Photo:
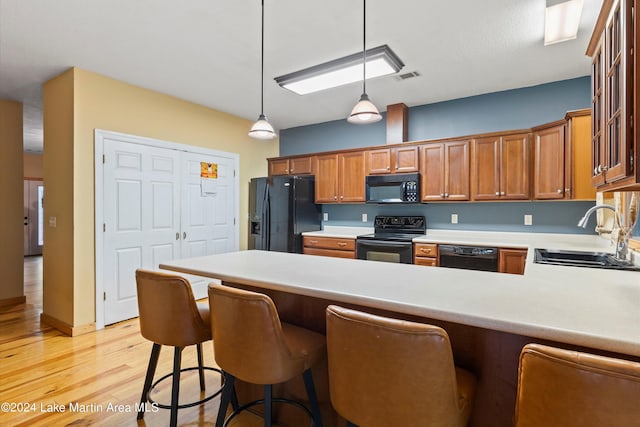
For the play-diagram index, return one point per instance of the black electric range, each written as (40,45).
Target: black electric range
(392,239)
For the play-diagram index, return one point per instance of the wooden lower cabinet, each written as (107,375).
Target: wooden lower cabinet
(329,246)
(511,260)
(425,254)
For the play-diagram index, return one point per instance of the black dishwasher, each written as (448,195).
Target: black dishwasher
(469,257)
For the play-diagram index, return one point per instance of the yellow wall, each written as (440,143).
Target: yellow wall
(11,228)
(32,165)
(58,175)
(103,103)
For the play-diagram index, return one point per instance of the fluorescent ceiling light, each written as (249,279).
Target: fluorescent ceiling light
(561,20)
(381,61)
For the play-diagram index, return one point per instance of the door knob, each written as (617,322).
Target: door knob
(177,236)
(184,235)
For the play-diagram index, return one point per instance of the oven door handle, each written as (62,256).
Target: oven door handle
(386,243)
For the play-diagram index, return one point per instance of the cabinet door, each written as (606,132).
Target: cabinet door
(485,175)
(512,260)
(405,159)
(278,167)
(549,163)
(379,161)
(514,167)
(617,81)
(300,166)
(352,177)
(327,179)
(597,110)
(456,170)
(432,172)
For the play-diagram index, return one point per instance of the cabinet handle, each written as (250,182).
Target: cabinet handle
(341,197)
(566,190)
(335,197)
(446,194)
(342,244)
(559,190)
(313,242)
(497,193)
(604,168)
(427,251)
(442,195)
(396,167)
(388,168)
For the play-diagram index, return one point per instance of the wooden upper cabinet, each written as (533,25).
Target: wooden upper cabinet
(392,160)
(326,181)
(291,166)
(549,148)
(579,171)
(614,98)
(352,177)
(445,171)
(500,168)
(340,178)
(278,167)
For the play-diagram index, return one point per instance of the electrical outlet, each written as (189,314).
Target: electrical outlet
(325,216)
(364,217)
(528,219)
(53,221)
(454,218)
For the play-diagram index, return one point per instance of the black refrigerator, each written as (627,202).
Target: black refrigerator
(281,208)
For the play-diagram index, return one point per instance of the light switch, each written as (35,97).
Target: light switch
(325,216)
(454,218)
(364,217)
(528,219)
(53,221)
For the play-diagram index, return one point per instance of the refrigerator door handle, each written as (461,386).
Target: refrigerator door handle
(266,228)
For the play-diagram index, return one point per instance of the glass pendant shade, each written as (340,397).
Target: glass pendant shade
(262,129)
(364,112)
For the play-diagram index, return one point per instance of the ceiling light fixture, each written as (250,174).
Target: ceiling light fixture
(365,111)
(561,20)
(381,61)
(262,129)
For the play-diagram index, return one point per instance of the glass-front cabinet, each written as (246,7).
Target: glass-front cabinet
(612,94)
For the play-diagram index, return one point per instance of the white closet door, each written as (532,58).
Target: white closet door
(207,218)
(141,219)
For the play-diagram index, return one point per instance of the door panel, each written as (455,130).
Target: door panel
(327,179)
(457,170)
(486,169)
(142,217)
(432,175)
(33,193)
(549,161)
(352,177)
(514,167)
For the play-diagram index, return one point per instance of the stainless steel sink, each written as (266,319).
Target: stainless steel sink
(581,259)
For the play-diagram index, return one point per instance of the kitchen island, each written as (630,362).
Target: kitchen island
(489,316)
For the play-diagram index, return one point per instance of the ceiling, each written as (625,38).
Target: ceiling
(208,52)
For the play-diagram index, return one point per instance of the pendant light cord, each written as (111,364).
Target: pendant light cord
(262,65)
(364,46)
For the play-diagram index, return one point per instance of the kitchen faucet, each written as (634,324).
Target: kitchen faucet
(583,221)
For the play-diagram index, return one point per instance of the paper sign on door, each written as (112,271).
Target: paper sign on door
(209,178)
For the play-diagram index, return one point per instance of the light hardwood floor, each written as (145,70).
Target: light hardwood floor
(50,379)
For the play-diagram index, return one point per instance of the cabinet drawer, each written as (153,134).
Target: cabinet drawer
(329,243)
(426,250)
(329,252)
(431,262)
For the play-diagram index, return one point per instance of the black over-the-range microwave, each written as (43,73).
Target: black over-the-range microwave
(395,188)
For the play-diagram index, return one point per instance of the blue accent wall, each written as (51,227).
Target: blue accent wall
(512,109)
(492,112)
(548,217)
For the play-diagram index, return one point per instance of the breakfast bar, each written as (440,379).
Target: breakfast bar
(489,316)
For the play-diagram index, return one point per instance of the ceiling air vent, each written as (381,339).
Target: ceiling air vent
(406,76)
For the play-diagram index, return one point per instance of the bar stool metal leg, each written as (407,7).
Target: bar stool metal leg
(151,371)
(200,367)
(268,407)
(228,394)
(313,398)
(175,388)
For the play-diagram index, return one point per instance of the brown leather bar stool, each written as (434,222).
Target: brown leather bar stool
(566,388)
(387,372)
(169,315)
(253,345)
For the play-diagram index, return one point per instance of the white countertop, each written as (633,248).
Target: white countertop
(583,306)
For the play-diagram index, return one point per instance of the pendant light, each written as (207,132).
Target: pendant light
(262,129)
(364,112)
